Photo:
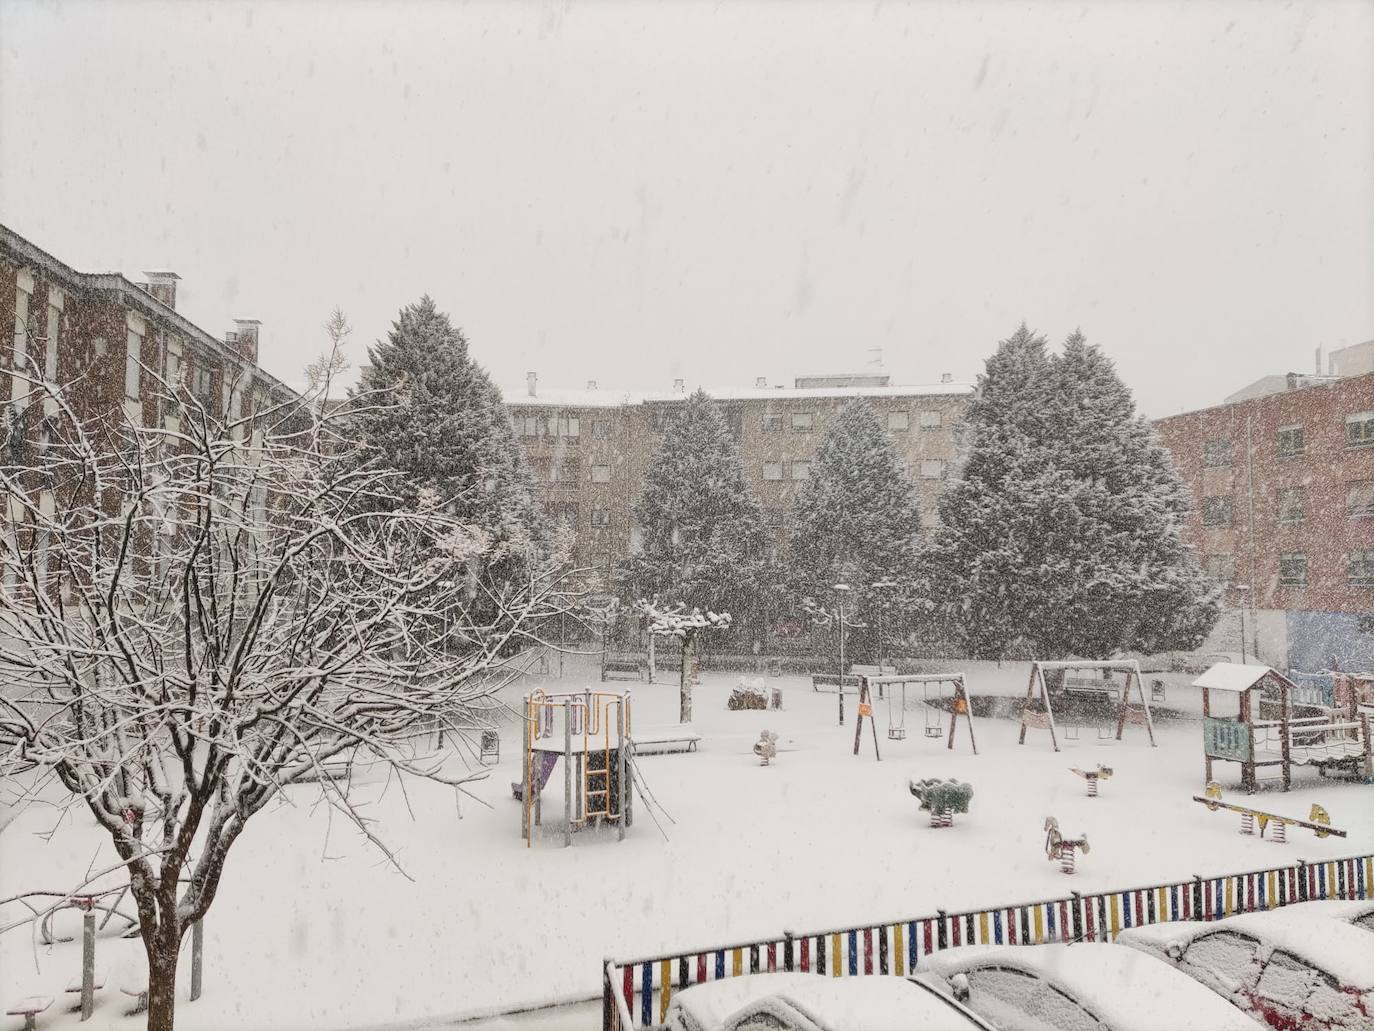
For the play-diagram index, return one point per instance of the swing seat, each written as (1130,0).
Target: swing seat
(935,732)
(896,733)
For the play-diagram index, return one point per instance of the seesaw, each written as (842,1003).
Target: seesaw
(1318,819)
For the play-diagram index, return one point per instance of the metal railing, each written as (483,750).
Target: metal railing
(641,989)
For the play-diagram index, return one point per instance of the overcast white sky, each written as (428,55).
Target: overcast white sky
(631,192)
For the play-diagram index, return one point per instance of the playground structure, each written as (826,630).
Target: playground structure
(1100,694)
(766,747)
(1061,848)
(933,688)
(590,730)
(1093,776)
(1279,723)
(1318,819)
(942,798)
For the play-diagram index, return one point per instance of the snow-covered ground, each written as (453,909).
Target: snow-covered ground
(312,928)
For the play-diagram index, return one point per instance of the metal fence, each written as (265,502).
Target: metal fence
(636,993)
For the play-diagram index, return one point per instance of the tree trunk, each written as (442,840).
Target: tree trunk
(685,683)
(163,948)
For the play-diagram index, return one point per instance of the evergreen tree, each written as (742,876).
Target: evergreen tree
(423,406)
(1063,529)
(703,545)
(857,523)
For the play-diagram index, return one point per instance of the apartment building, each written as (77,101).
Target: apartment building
(1283,516)
(107,332)
(589,450)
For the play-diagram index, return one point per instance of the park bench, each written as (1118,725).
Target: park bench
(336,767)
(29,1008)
(622,669)
(1090,690)
(682,738)
(138,991)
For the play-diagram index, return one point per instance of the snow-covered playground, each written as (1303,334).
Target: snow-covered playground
(315,929)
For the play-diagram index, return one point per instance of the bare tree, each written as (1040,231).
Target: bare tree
(321,373)
(194,616)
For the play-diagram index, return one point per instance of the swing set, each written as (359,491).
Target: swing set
(1086,687)
(934,688)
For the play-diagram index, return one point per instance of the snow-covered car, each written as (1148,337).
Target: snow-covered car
(1358,913)
(811,1002)
(1290,969)
(1084,986)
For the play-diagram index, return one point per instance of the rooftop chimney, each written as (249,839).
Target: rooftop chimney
(591,384)
(163,287)
(245,339)
(679,386)
(761,382)
(531,381)
(946,377)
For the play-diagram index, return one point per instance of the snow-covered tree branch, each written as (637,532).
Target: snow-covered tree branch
(194,616)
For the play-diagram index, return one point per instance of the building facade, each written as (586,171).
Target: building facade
(589,450)
(1283,516)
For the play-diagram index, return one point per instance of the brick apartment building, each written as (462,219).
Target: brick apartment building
(589,450)
(99,334)
(1282,477)
(105,328)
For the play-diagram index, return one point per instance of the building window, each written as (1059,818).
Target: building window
(898,420)
(1362,567)
(21,325)
(1217,453)
(131,367)
(50,355)
(1290,441)
(772,470)
(1221,568)
(1216,511)
(801,470)
(1293,569)
(565,513)
(1359,499)
(565,472)
(1291,504)
(1359,429)
(601,517)
(931,420)
(601,474)
(533,426)
(201,378)
(569,426)
(932,469)
(601,428)
(772,423)
(802,421)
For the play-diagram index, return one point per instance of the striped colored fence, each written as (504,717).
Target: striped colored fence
(636,993)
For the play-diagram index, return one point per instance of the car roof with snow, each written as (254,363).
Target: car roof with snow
(710,1003)
(1127,989)
(1340,949)
(1333,909)
(864,1004)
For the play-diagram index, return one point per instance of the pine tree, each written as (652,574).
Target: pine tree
(423,406)
(857,523)
(1063,529)
(703,544)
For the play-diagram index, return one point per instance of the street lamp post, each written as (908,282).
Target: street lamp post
(840,590)
(881,585)
(1244,591)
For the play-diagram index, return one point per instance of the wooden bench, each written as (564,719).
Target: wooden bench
(666,739)
(820,680)
(29,1008)
(336,767)
(138,991)
(1091,690)
(623,669)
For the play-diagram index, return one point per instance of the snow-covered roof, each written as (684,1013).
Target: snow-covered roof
(571,398)
(861,1002)
(709,1004)
(1341,949)
(1127,989)
(1232,676)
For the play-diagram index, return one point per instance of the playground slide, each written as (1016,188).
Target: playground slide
(544,762)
